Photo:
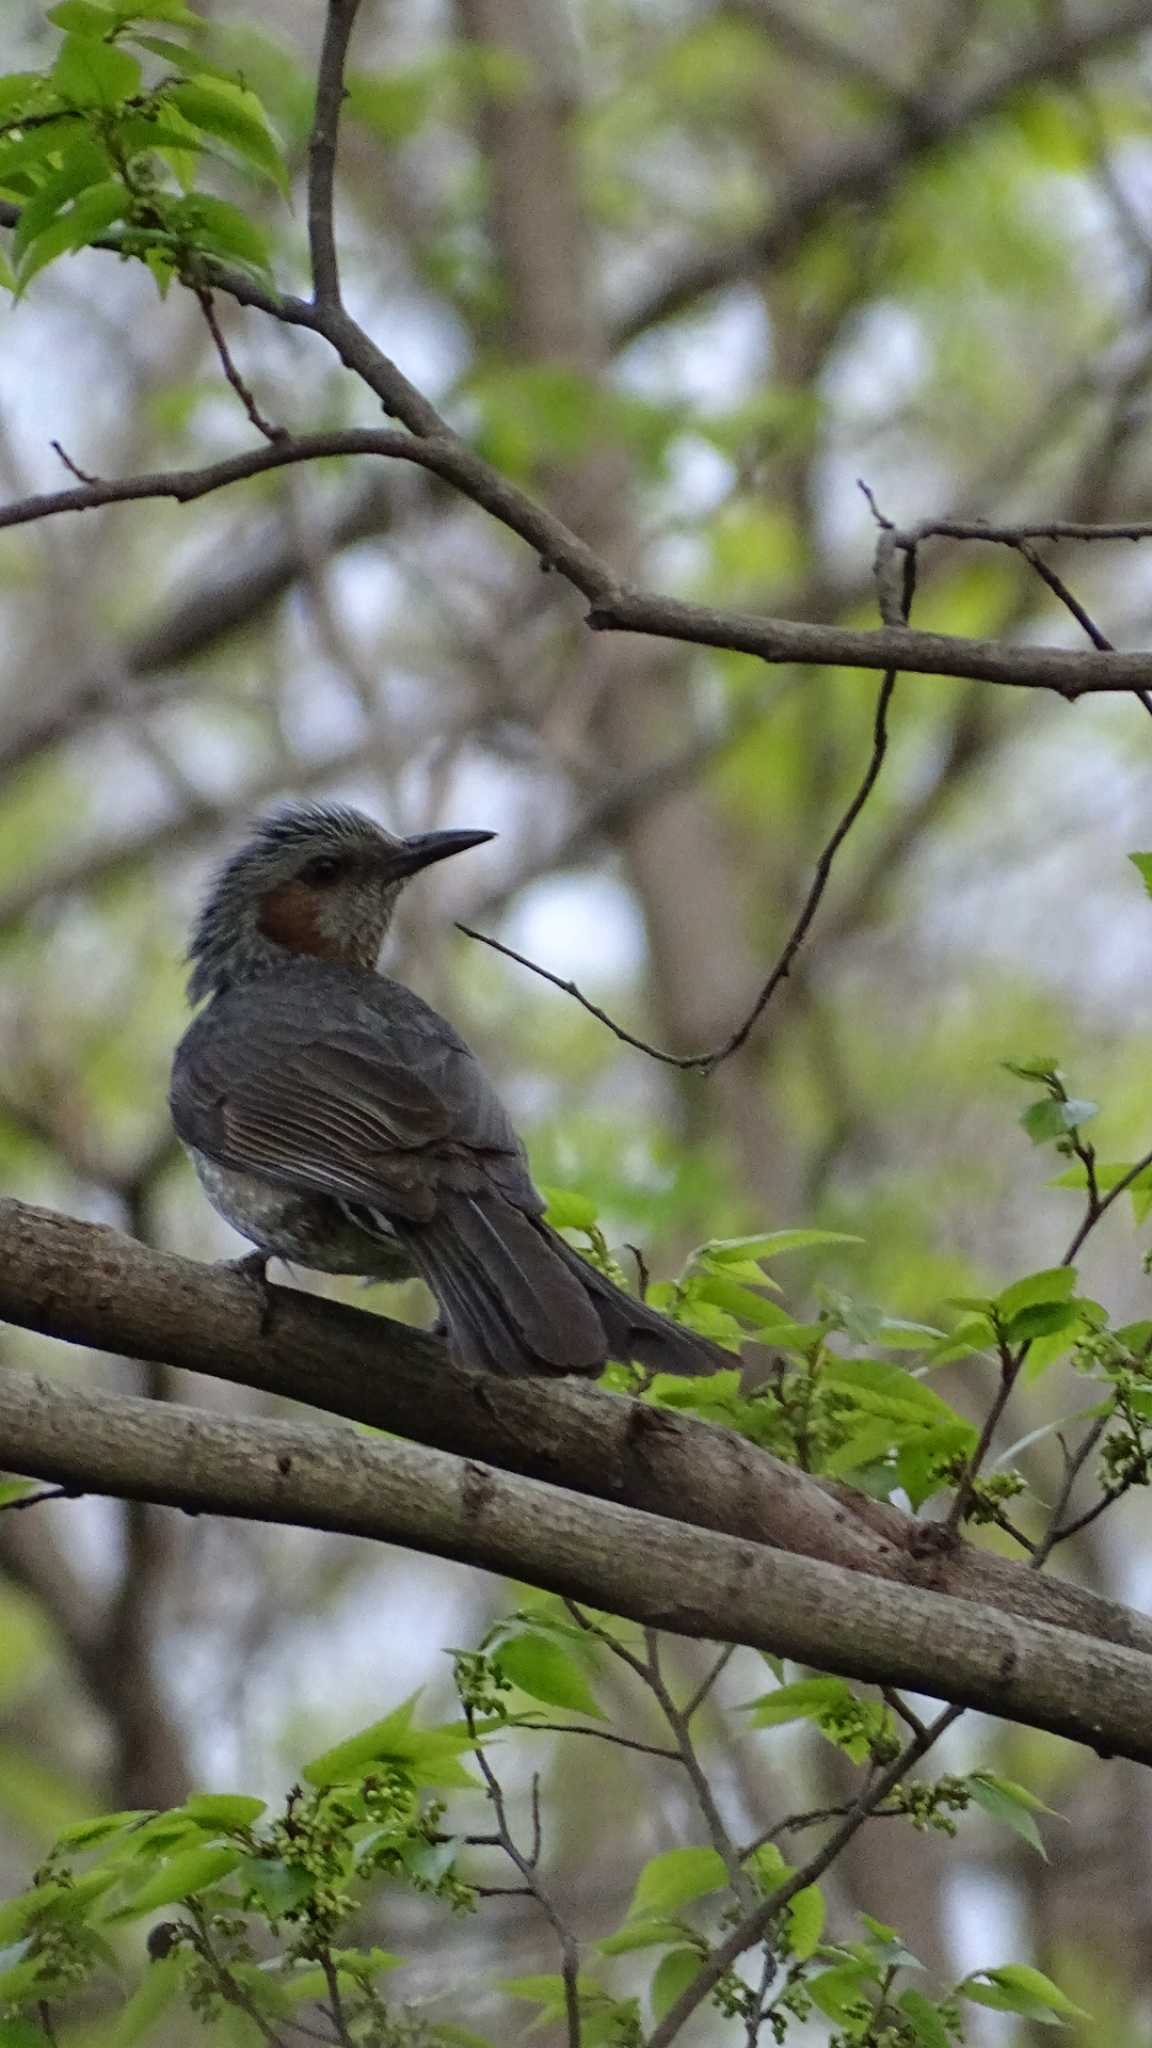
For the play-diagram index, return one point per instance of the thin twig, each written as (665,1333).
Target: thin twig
(741,1883)
(82,476)
(227,364)
(897,1705)
(708,1681)
(227,1985)
(603,1735)
(1074,1465)
(1104,1204)
(756,2014)
(526,1865)
(706,1062)
(335,2000)
(1071,602)
(1011,1363)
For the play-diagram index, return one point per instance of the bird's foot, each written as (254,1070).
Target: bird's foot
(254,1267)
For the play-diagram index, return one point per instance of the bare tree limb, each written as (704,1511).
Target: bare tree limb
(661,1573)
(1069,674)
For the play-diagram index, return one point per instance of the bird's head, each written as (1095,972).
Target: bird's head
(318,880)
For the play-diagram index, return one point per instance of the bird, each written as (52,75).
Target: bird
(338,1122)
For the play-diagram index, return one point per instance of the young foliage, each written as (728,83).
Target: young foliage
(122,139)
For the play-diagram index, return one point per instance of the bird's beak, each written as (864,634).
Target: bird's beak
(425,847)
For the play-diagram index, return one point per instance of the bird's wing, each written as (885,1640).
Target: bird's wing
(345,1089)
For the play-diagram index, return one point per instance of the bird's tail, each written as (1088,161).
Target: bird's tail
(634,1331)
(517,1299)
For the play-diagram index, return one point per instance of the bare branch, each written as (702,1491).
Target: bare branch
(665,1575)
(262,426)
(527,1867)
(338,26)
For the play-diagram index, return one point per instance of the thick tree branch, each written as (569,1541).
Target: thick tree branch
(91,1285)
(658,1572)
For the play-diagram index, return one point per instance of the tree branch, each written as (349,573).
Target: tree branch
(90,1285)
(1070,674)
(654,1571)
(338,26)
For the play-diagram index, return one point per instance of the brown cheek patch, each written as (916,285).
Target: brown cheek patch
(291,916)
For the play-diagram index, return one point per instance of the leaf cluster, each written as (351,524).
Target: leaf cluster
(115,139)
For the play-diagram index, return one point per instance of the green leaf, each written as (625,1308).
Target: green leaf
(1142,862)
(772,1244)
(223,1809)
(189,63)
(85,1834)
(884,1388)
(22,1980)
(16,1489)
(920,1458)
(739,1301)
(807,1699)
(671,1880)
(279,1886)
(833,1991)
(164,10)
(1050,1118)
(1055,1283)
(216,228)
(83,223)
(429,1754)
(1106,1171)
(82,18)
(82,165)
(924,2019)
(973,1335)
(675,1973)
(181,1878)
(642,1934)
(546,1671)
(90,74)
(22,2034)
(795,1336)
(1015,1987)
(161,1983)
(1013,1804)
(37,146)
(805,1917)
(234,116)
(568,1210)
(549,1991)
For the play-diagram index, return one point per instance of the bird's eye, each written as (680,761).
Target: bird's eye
(324,869)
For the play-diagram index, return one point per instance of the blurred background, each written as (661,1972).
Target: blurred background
(688,269)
